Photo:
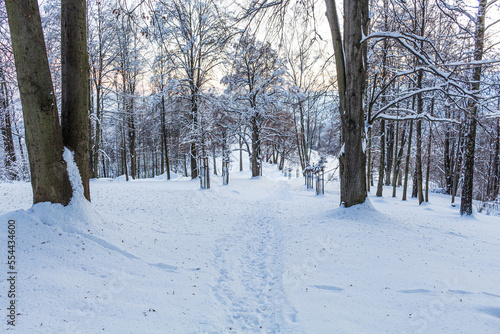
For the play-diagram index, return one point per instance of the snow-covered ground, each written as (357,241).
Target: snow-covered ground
(257,256)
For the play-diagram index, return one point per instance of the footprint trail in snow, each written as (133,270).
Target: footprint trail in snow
(249,262)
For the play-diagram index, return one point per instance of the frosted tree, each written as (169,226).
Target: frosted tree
(256,82)
(6,105)
(310,78)
(194,33)
(101,39)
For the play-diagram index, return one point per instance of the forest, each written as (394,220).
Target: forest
(171,83)
(250,166)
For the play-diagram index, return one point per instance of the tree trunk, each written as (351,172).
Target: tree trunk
(214,159)
(468,186)
(407,164)
(132,134)
(164,136)
(429,146)
(369,160)
(389,152)
(418,158)
(381,168)
(255,156)
(240,143)
(457,170)
(352,78)
(98,134)
(49,176)
(448,154)
(428,168)
(75,89)
(397,159)
(496,165)
(414,192)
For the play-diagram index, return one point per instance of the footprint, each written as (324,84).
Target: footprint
(462,292)
(415,291)
(328,287)
(164,266)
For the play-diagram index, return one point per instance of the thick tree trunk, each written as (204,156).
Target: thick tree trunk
(49,176)
(468,186)
(75,89)
(352,78)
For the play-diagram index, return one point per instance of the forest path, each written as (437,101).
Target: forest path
(249,262)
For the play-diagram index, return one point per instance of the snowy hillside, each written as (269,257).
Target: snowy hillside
(257,256)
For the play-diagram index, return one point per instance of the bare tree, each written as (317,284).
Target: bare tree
(258,72)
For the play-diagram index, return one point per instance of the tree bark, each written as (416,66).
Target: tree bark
(389,136)
(397,158)
(75,89)
(418,158)
(428,167)
(381,168)
(193,151)
(255,156)
(407,164)
(468,186)
(496,165)
(49,176)
(352,77)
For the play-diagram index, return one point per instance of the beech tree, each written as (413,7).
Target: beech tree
(75,85)
(44,140)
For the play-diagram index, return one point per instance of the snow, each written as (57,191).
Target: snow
(256,256)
